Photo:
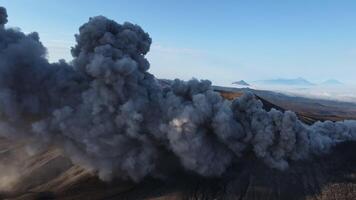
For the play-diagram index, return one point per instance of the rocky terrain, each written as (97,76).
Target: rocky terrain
(50,175)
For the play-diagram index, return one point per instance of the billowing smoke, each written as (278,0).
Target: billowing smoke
(3,16)
(109,114)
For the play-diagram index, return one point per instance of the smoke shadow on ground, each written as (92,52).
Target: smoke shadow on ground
(328,177)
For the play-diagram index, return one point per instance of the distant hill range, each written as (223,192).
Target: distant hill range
(290,82)
(297,82)
(241,82)
(331,82)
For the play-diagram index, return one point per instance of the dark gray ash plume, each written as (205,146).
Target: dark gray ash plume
(3,17)
(109,114)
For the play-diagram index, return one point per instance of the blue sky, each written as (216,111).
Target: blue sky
(218,40)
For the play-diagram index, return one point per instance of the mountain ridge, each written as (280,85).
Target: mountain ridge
(285,81)
(331,82)
(241,82)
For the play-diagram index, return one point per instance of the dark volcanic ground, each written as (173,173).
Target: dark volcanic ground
(52,176)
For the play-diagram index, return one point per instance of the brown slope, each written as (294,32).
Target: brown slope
(306,117)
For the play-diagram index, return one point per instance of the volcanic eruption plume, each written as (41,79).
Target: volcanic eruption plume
(109,114)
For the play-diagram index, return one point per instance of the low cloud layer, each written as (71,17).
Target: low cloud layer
(109,114)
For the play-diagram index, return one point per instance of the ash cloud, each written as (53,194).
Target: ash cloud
(109,114)
(3,17)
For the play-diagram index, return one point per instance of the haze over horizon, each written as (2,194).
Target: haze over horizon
(223,42)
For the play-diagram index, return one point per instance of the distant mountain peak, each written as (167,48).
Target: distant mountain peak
(241,82)
(283,81)
(331,82)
